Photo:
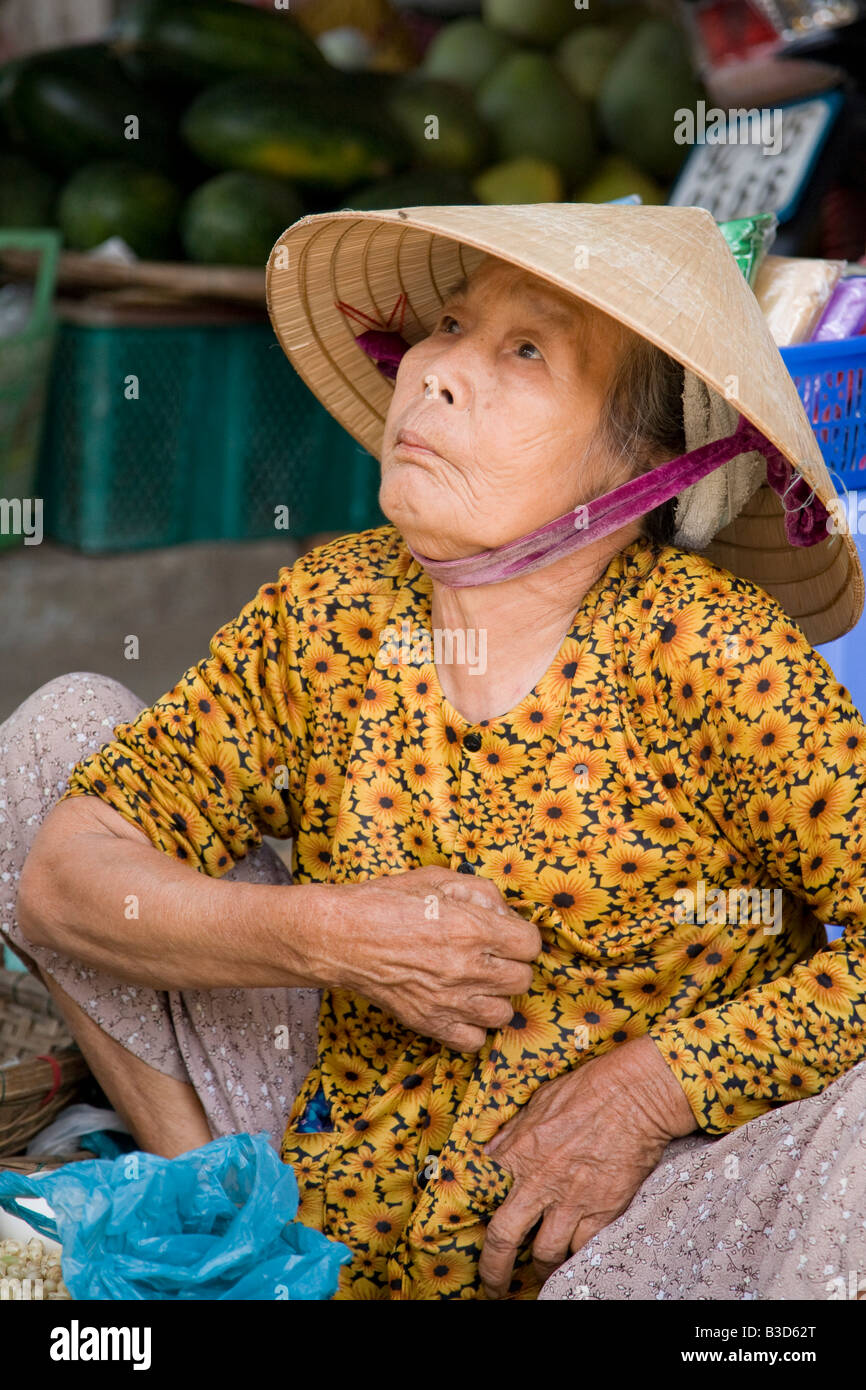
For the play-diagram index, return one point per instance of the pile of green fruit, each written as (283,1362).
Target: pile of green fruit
(202,128)
(580,106)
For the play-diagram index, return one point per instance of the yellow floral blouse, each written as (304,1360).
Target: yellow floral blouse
(685,740)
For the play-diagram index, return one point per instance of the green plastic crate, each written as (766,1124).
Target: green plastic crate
(25,359)
(223,432)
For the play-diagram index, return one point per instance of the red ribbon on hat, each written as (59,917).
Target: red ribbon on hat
(383,344)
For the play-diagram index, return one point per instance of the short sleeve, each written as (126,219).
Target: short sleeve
(776,756)
(218,761)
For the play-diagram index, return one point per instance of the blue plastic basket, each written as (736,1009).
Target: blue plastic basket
(831,381)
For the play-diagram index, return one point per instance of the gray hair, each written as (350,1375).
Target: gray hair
(641,423)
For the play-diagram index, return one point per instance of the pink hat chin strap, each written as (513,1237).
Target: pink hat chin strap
(805,519)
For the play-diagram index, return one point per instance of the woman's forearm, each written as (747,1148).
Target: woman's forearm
(94,888)
(120,905)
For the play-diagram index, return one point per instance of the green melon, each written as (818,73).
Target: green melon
(235,218)
(642,90)
(541,22)
(616,177)
(69,106)
(115,198)
(301,132)
(440,122)
(466,52)
(524,180)
(202,41)
(584,57)
(533,111)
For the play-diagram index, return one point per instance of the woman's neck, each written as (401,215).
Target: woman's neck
(505,636)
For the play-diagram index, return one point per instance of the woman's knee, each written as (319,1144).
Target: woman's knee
(62,722)
(81,694)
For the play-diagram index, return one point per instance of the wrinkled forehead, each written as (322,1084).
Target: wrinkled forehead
(598,338)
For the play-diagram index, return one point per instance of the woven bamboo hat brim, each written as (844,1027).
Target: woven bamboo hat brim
(665,272)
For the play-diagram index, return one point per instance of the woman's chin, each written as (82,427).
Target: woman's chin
(420,509)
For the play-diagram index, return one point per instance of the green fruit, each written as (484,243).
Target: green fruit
(291,131)
(421,188)
(465,52)
(533,111)
(202,41)
(73,105)
(523,180)
(616,177)
(650,80)
(235,218)
(440,123)
(114,198)
(584,57)
(542,22)
(27,193)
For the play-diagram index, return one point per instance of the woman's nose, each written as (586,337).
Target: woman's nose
(449,379)
(433,388)
(460,366)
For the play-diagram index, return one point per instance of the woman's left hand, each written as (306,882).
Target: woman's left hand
(579,1150)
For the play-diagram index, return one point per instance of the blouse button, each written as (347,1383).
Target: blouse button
(472,742)
(465,869)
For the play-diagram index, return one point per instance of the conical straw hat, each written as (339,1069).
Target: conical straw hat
(665,272)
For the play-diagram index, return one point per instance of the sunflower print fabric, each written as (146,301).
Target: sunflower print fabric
(686,740)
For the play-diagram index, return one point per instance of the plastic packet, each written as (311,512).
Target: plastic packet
(750,238)
(63,1134)
(844,314)
(214,1223)
(792,291)
(114,248)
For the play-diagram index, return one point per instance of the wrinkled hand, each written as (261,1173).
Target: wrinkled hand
(579,1150)
(441,951)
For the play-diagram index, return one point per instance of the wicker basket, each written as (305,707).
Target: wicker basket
(30,1022)
(28,1166)
(41,1069)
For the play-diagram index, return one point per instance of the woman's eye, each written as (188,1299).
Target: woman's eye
(448,324)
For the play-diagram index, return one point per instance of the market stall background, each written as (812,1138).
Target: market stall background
(151,153)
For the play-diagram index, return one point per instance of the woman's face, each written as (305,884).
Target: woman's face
(505,394)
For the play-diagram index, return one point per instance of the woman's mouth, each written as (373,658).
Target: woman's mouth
(410,442)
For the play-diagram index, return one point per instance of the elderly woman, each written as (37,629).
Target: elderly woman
(564,896)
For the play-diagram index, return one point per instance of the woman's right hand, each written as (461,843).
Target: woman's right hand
(441,951)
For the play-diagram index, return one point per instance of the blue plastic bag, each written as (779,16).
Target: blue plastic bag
(214,1223)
